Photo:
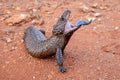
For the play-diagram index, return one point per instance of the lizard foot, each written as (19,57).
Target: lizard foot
(62,69)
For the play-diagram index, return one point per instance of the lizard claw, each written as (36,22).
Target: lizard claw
(62,69)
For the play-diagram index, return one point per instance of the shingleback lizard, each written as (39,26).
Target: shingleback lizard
(39,46)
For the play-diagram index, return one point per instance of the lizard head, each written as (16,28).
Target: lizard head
(59,28)
(64,27)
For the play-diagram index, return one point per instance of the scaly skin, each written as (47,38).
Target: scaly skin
(41,47)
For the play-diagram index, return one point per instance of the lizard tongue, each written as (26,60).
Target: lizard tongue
(70,26)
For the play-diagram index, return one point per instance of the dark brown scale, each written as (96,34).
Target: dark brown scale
(39,46)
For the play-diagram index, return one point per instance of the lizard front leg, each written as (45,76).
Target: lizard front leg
(43,31)
(59,55)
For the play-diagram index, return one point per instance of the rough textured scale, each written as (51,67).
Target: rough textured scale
(39,46)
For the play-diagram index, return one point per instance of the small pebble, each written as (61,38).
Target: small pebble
(97,14)
(8,40)
(33,77)
(91,18)
(13,48)
(116,28)
(38,21)
(49,77)
(95,5)
(17,8)
(7,11)
(84,9)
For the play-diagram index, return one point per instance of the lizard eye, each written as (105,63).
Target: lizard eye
(62,19)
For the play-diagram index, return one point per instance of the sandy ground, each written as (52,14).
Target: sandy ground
(93,52)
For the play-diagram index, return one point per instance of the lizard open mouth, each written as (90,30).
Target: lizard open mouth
(71,27)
